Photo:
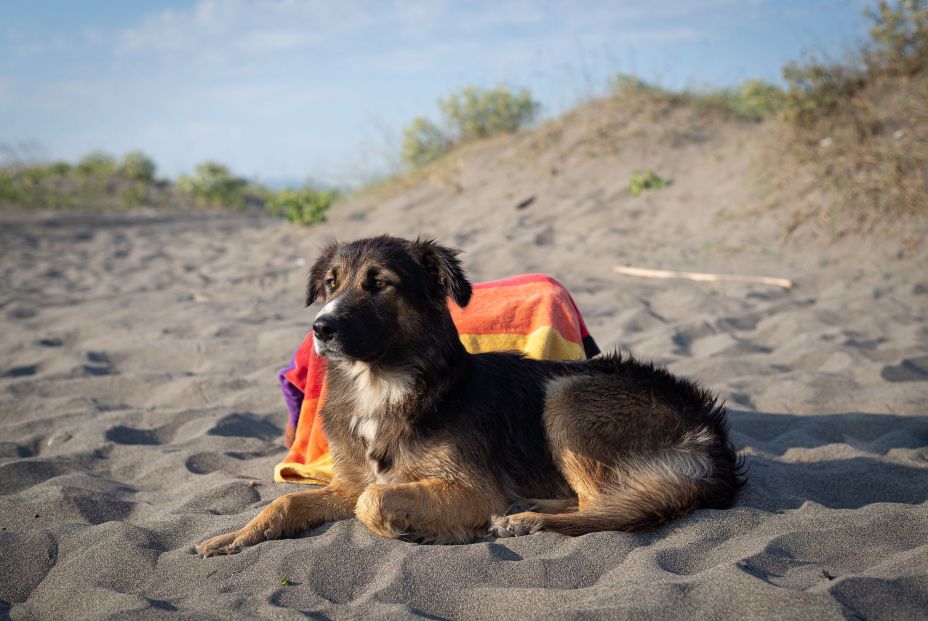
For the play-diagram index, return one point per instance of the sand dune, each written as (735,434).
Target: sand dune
(139,411)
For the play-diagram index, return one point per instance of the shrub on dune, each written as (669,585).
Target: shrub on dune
(473,113)
(305,206)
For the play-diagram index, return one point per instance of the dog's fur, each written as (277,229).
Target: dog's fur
(434,444)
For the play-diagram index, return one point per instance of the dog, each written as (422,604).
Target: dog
(433,444)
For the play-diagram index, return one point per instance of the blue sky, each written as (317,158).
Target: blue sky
(288,90)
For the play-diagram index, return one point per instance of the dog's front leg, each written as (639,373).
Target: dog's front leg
(432,510)
(285,517)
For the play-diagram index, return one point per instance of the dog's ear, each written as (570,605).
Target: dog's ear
(317,272)
(443,266)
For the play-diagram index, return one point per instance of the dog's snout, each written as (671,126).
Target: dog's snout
(324,328)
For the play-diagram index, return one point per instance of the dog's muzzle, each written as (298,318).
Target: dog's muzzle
(324,329)
(324,336)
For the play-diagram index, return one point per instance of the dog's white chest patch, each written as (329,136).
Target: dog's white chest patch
(364,428)
(375,391)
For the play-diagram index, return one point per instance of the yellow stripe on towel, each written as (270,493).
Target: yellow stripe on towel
(545,343)
(318,472)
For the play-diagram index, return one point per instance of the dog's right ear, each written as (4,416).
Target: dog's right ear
(317,272)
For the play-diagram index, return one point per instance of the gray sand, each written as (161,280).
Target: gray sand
(139,411)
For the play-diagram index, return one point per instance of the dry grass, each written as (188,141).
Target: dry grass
(869,152)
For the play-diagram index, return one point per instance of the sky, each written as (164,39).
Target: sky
(285,91)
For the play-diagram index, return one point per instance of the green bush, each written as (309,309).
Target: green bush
(304,206)
(423,142)
(752,100)
(9,192)
(470,114)
(900,36)
(137,166)
(98,182)
(214,185)
(815,89)
(624,85)
(96,164)
(60,169)
(641,183)
(898,46)
(475,112)
(756,100)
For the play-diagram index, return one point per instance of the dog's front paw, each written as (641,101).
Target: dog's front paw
(272,523)
(232,543)
(515,525)
(229,543)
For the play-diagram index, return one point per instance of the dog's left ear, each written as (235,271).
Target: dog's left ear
(317,272)
(443,265)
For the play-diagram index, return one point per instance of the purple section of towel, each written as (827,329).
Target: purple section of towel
(293,397)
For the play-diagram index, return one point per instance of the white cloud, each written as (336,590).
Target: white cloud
(253,27)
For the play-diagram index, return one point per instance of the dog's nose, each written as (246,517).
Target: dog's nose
(324,328)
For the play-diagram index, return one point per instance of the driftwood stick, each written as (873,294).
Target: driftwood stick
(642,272)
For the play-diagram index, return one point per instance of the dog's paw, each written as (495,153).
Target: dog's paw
(222,544)
(233,543)
(515,525)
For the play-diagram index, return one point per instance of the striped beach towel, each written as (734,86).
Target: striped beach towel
(531,313)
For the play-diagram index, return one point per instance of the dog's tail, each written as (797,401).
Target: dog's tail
(642,497)
(643,501)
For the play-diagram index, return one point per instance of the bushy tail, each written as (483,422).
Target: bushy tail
(647,498)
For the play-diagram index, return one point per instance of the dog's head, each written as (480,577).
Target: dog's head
(383,297)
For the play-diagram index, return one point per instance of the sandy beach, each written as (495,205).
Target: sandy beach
(139,411)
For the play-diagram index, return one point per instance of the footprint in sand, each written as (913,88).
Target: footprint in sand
(23,371)
(204,463)
(130,435)
(909,370)
(12,450)
(99,364)
(244,425)
(22,312)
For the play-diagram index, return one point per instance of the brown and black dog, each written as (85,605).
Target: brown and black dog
(434,444)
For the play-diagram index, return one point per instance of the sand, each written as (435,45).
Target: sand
(139,411)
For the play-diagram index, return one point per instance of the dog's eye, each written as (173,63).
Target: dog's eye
(381,284)
(330,282)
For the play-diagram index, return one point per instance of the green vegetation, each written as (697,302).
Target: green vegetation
(641,183)
(138,167)
(424,142)
(213,185)
(97,164)
(471,114)
(98,181)
(753,100)
(476,113)
(304,206)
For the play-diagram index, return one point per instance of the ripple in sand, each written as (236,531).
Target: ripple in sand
(23,371)
(129,435)
(19,475)
(244,425)
(204,463)
(909,370)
